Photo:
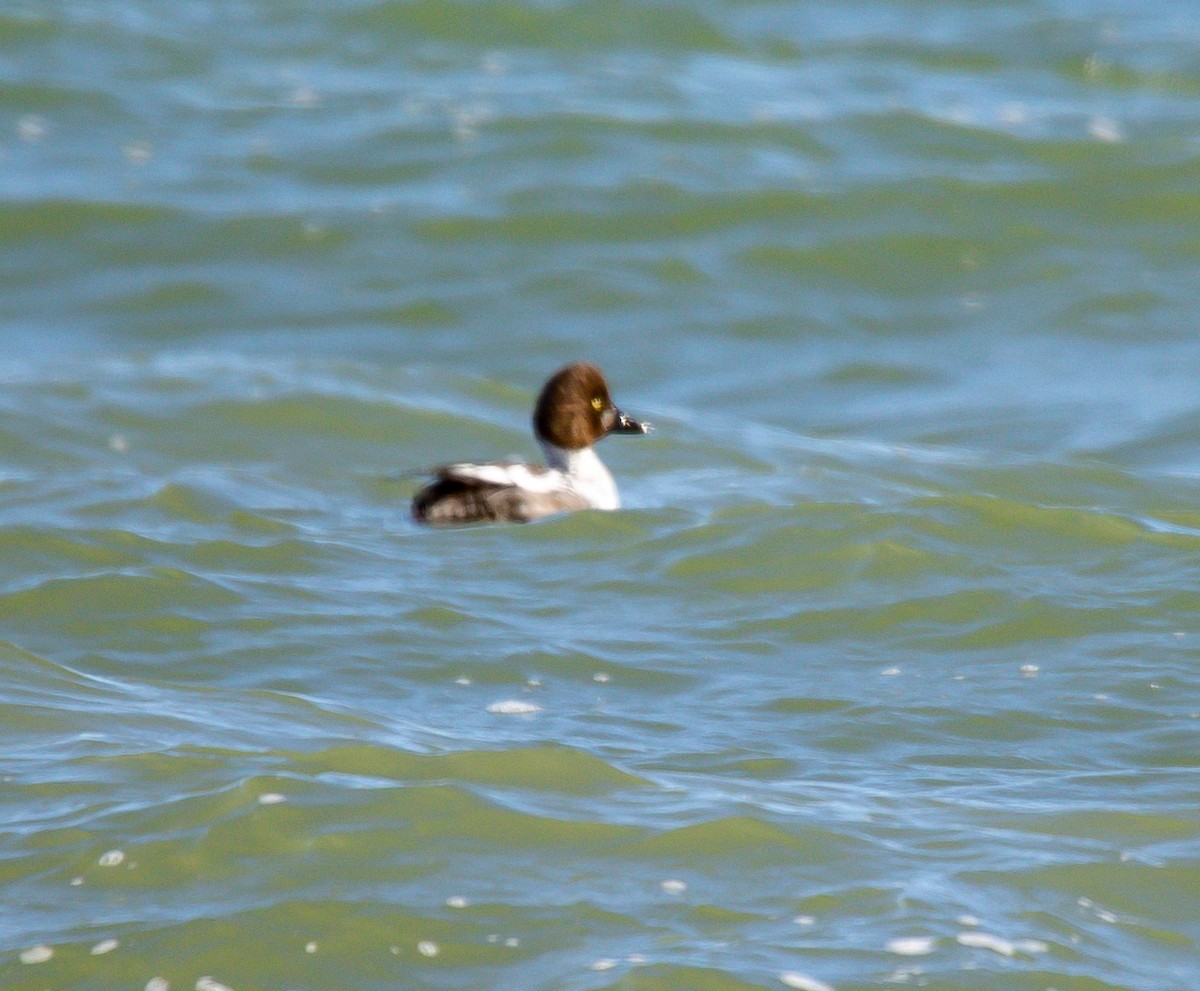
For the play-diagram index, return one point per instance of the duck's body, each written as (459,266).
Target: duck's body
(573,411)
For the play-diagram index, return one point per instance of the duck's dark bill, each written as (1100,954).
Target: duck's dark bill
(628,425)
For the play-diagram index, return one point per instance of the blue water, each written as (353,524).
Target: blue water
(885,674)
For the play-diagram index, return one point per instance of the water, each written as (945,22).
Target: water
(886,675)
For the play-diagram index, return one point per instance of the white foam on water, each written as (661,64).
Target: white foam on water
(890,672)
(968,920)
(37,954)
(428,948)
(104,946)
(802,982)
(604,963)
(986,941)
(1014,113)
(32,128)
(310,946)
(1105,129)
(158,984)
(911,946)
(601,677)
(137,152)
(512,942)
(805,920)
(514,707)
(1103,914)
(207,983)
(673,886)
(271,798)
(457,901)
(113,858)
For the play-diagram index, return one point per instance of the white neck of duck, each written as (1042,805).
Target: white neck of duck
(587,474)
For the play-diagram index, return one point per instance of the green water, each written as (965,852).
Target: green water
(886,674)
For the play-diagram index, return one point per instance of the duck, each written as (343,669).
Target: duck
(573,412)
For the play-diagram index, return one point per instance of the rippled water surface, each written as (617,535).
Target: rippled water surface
(887,674)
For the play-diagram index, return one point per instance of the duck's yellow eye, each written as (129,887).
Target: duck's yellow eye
(597,404)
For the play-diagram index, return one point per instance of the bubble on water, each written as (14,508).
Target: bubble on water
(310,946)
(104,946)
(802,982)
(1029,670)
(514,707)
(673,886)
(911,946)
(37,954)
(158,984)
(462,681)
(207,983)
(805,920)
(890,672)
(968,920)
(271,798)
(118,443)
(457,901)
(113,858)
(512,942)
(493,937)
(76,882)
(637,959)
(604,963)
(428,948)
(601,677)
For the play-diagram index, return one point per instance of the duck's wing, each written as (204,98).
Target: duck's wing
(480,493)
